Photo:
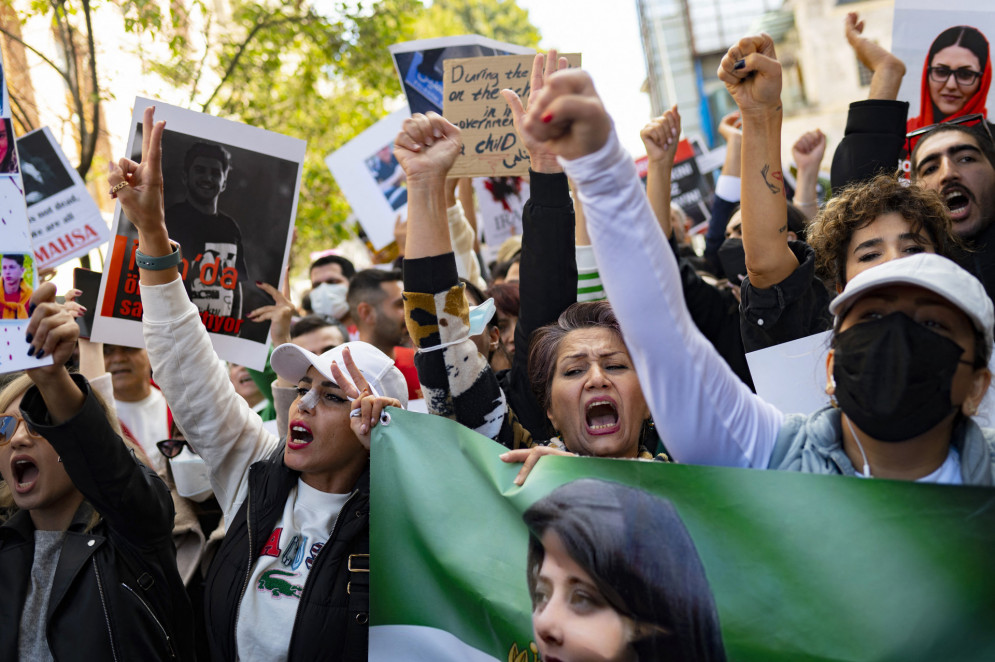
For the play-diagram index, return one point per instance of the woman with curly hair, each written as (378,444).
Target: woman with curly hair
(876,221)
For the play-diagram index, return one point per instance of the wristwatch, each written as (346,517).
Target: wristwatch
(160,263)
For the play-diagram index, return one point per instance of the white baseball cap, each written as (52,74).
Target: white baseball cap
(292,362)
(931,272)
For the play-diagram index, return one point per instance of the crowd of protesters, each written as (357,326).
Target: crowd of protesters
(160,504)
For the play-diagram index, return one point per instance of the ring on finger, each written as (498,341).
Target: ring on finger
(118,187)
(355,413)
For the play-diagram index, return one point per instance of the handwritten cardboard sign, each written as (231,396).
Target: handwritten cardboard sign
(473,102)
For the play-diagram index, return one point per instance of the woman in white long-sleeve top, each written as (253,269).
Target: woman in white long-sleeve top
(706,415)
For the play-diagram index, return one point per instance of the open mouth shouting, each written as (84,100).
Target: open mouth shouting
(601,416)
(300,435)
(958,201)
(25,473)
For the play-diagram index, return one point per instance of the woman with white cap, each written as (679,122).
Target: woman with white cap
(295,558)
(911,346)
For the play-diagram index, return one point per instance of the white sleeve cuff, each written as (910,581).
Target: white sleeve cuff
(165,303)
(728,188)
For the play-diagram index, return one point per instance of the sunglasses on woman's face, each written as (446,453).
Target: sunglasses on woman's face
(172,447)
(8,426)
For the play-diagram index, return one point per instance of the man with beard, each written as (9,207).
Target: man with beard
(213,271)
(958,162)
(377,308)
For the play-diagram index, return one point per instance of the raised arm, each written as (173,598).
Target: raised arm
(727,190)
(808,151)
(752,75)
(887,70)
(660,137)
(548,278)
(456,379)
(875,128)
(705,414)
(62,408)
(215,420)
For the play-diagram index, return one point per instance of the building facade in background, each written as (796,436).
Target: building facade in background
(684,41)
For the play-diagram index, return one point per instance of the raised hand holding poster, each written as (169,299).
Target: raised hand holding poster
(231,198)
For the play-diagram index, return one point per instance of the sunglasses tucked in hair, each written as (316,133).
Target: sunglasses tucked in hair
(972,120)
(8,426)
(172,447)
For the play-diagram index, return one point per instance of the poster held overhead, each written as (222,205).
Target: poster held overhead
(371,178)
(419,65)
(65,222)
(230,199)
(473,102)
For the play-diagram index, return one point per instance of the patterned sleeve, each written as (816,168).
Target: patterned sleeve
(456,379)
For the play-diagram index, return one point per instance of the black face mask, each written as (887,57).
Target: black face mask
(894,376)
(732,257)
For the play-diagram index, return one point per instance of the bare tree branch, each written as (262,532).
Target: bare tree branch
(267,23)
(34,50)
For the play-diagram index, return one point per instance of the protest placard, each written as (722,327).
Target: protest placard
(371,178)
(473,102)
(792,377)
(919,32)
(689,188)
(789,560)
(231,199)
(500,202)
(18,269)
(65,222)
(419,65)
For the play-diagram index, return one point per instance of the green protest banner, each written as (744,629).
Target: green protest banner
(801,567)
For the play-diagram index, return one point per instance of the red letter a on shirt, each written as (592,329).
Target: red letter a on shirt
(272,546)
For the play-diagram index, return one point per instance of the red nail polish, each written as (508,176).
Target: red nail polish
(547,118)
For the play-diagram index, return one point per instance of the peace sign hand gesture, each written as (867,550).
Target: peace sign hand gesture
(139,185)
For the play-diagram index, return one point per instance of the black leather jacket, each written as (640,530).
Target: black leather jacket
(333,613)
(117,594)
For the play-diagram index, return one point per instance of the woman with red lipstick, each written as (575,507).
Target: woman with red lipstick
(955,77)
(291,579)
(614,576)
(86,558)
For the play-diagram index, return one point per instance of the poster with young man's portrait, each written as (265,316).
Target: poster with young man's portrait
(230,196)
(947,52)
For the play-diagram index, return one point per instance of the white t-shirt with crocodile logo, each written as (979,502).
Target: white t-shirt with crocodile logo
(269,606)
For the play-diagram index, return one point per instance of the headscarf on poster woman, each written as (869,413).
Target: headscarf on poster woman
(958,53)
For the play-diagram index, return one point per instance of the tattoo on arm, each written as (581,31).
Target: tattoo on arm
(782,229)
(765,171)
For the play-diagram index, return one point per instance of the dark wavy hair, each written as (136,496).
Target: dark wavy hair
(859,205)
(964,36)
(641,558)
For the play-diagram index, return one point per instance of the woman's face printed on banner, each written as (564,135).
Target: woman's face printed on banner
(595,401)
(572,620)
(950,96)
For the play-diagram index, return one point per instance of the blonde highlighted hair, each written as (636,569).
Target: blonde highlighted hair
(16,388)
